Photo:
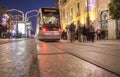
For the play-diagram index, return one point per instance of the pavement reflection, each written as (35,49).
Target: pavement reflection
(15,58)
(65,65)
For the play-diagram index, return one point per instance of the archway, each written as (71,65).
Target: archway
(104,23)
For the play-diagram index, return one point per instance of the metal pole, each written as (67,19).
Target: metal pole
(30,17)
(28,13)
(88,17)
(26,18)
(17,25)
(23,16)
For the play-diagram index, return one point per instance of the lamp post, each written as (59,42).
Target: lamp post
(88,16)
(30,17)
(16,16)
(27,18)
(26,14)
(17,11)
(23,16)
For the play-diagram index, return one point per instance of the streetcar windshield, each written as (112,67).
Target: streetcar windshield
(51,20)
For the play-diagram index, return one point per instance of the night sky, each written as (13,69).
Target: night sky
(27,5)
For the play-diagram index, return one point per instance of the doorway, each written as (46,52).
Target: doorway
(104,24)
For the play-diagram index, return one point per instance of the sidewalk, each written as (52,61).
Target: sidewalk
(103,53)
(96,41)
(3,41)
(16,58)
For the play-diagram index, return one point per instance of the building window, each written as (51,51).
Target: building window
(71,11)
(78,9)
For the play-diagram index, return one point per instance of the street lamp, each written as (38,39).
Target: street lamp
(13,16)
(30,17)
(28,13)
(18,11)
(27,18)
(23,17)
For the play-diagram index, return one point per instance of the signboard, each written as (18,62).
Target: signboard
(47,11)
(21,27)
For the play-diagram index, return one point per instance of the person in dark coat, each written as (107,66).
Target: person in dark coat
(72,28)
(91,32)
(98,33)
(84,33)
(64,35)
(79,30)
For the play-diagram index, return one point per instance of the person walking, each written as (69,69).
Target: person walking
(72,32)
(79,30)
(98,33)
(64,35)
(91,32)
(84,33)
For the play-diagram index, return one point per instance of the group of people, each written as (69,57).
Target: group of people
(6,34)
(82,33)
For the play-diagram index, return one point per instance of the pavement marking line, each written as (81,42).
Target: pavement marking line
(117,74)
(84,59)
(93,46)
(52,53)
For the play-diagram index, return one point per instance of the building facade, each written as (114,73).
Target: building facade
(56,3)
(96,10)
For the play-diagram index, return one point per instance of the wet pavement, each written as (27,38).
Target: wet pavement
(65,59)
(65,65)
(16,58)
(33,58)
(4,41)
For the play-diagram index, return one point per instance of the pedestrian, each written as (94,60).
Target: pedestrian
(79,30)
(91,32)
(84,33)
(98,33)
(64,35)
(72,28)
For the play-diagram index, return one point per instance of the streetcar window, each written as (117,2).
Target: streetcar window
(52,19)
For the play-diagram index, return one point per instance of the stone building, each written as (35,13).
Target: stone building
(95,10)
(56,3)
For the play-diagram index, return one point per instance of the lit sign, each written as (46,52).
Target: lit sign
(91,4)
(47,10)
(21,28)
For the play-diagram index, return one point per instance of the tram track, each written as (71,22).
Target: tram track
(87,60)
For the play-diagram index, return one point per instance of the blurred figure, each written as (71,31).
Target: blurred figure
(79,31)
(84,33)
(91,32)
(103,34)
(4,34)
(98,33)
(72,28)
(64,35)
(8,34)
